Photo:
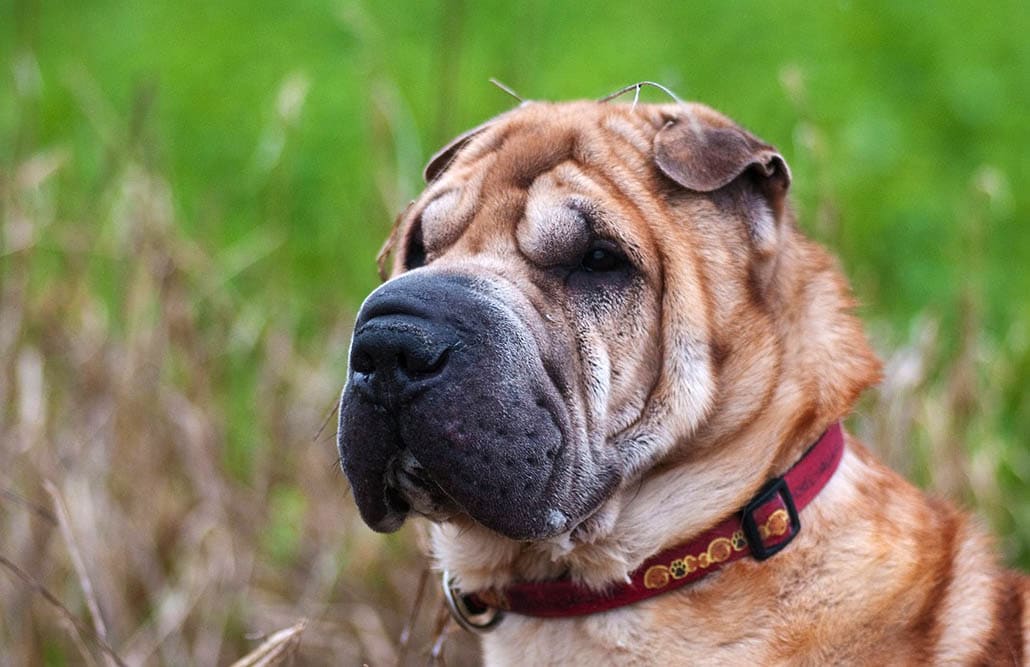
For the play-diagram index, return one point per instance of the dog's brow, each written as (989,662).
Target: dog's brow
(443,219)
(598,222)
(586,210)
(553,232)
(439,205)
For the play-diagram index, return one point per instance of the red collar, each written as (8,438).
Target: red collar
(762,528)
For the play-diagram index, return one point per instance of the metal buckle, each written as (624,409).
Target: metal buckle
(775,487)
(469,615)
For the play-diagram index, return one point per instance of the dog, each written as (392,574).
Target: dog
(610,370)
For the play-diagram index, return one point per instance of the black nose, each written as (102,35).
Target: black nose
(395,350)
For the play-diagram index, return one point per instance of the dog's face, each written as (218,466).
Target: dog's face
(554,325)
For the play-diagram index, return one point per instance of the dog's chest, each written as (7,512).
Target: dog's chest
(618,637)
(643,634)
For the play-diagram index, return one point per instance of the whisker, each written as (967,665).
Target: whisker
(637,86)
(507,89)
(325,422)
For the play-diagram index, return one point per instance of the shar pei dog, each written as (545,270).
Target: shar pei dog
(610,370)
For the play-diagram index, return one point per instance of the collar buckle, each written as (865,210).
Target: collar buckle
(756,534)
(467,611)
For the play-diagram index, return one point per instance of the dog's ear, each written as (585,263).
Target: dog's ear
(445,156)
(703,156)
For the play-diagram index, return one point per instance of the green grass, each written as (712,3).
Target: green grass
(192,195)
(910,101)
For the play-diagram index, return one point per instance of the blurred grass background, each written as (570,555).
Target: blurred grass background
(191,198)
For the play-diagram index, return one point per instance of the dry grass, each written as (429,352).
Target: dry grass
(131,531)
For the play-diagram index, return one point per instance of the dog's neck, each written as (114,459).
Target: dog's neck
(825,363)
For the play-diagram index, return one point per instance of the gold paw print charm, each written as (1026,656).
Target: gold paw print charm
(719,550)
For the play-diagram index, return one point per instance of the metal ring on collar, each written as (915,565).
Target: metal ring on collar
(457,603)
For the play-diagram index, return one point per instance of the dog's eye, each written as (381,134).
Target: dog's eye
(601,257)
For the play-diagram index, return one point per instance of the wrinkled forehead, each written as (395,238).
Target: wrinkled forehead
(537,136)
(550,173)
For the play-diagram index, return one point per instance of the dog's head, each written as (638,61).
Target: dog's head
(582,289)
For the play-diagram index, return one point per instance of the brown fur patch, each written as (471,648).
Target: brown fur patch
(1006,642)
(927,621)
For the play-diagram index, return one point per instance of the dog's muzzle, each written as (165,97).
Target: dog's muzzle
(449,409)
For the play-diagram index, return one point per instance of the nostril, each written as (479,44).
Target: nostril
(419,363)
(362,363)
(392,351)
(440,362)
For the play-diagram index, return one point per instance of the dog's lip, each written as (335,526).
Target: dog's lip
(390,516)
(395,501)
(419,493)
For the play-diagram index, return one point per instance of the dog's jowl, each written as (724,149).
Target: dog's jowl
(610,371)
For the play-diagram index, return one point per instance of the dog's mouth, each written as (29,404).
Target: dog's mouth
(409,488)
